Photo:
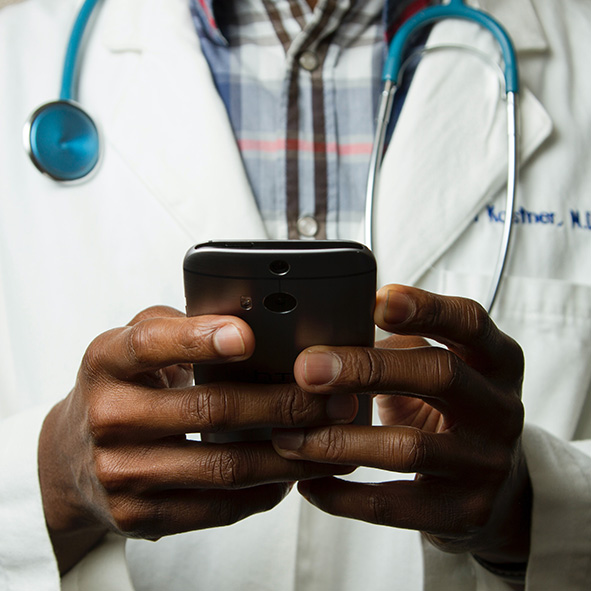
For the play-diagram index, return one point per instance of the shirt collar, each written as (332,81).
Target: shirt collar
(397,11)
(123,22)
(394,14)
(204,11)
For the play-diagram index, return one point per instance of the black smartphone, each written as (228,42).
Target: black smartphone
(293,294)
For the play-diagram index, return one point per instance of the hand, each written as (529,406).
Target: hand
(451,415)
(113,455)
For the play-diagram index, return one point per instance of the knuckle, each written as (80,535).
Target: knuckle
(92,365)
(476,513)
(112,473)
(294,407)
(374,373)
(139,342)
(463,515)
(103,423)
(108,477)
(479,323)
(226,468)
(511,412)
(380,508)
(447,369)
(428,311)
(364,369)
(208,409)
(333,442)
(499,466)
(412,449)
(516,359)
(135,517)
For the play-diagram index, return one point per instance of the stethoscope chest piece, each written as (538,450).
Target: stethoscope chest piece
(62,140)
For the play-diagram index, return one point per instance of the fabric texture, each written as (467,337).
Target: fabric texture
(301,90)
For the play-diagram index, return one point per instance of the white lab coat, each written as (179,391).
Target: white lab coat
(77,260)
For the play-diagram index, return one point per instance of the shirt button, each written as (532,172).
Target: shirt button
(309,60)
(307,226)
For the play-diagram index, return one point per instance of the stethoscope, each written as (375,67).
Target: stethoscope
(63,140)
(60,137)
(392,77)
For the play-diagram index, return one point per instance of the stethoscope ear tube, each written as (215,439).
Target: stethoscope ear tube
(512,173)
(392,73)
(455,9)
(375,160)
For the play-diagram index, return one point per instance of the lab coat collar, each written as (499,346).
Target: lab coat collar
(194,168)
(520,19)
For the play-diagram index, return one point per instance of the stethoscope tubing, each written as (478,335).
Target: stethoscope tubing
(512,174)
(392,73)
(68,88)
(392,78)
(455,9)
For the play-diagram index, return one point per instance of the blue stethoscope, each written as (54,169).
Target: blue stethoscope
(63,140)
(392,76)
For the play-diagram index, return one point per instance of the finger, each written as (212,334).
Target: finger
(145,413)
(396,449)
(432,373)
(155,343)
(410,411)
(172,512)
(198,465)
(174,376)
(417,505)
(156,312)
(461,324)
(398,341)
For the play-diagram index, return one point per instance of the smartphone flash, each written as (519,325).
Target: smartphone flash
(246,302)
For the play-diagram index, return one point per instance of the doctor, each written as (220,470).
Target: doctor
(79,260)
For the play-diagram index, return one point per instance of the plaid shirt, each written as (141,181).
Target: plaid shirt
(301,89)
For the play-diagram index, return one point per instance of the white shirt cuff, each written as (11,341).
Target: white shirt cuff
(26,554)
(560,555)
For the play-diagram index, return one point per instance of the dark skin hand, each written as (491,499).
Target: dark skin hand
(113,455)
(451,415)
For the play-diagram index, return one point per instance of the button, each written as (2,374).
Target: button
(307,226)
(309,60)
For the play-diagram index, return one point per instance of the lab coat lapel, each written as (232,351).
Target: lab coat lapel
(448,156)
(194,167)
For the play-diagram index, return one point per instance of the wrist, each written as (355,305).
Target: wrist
(513,534)
(72,531)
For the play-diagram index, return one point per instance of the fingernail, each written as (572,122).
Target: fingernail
(228,341)
(399,308)
(289,439)
(322,368)
(341,407)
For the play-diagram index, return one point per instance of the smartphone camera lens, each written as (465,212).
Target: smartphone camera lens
(280,303)
(279,267)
